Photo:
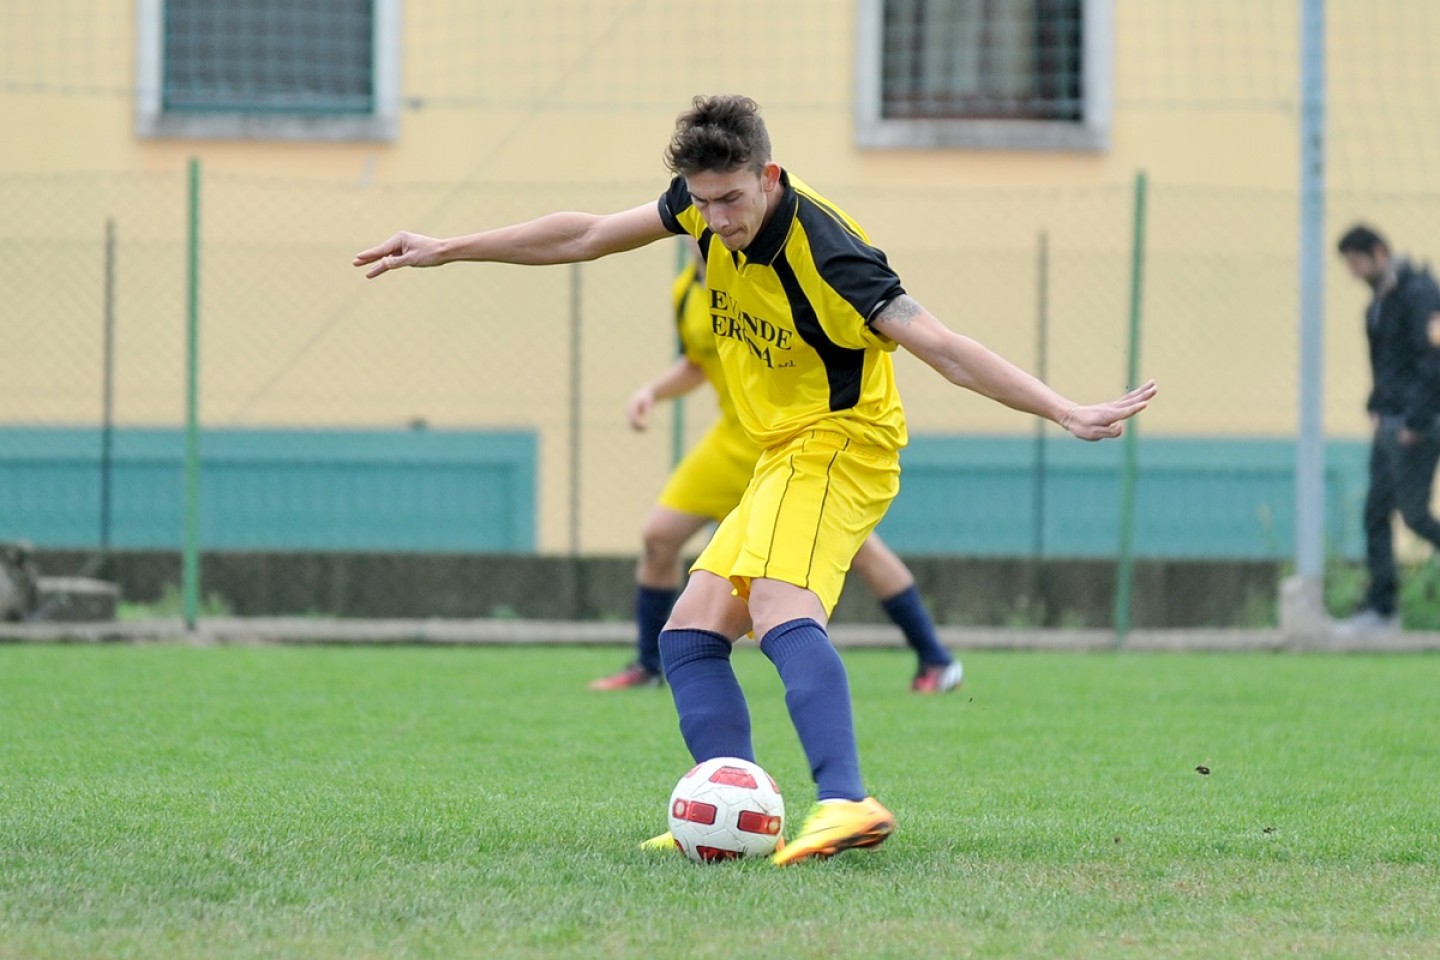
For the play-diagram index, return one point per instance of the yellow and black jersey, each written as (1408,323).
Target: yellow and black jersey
(697,342)
(790,317)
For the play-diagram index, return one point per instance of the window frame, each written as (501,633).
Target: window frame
(1091,133)
(152,121)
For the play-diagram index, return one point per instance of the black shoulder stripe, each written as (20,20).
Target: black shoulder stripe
(684,302)
(673,202)
(834,214)
(855,269)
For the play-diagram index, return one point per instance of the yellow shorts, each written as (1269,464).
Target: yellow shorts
(711,478)
(811,503)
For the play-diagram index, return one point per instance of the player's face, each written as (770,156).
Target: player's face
(1364,266)
(735,204)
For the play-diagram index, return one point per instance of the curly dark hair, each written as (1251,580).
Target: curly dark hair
(719,134)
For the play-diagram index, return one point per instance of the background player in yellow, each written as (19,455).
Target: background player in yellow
(805,312)
(708,483)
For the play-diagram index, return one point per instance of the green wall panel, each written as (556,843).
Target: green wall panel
(1200,498)
(276,489)
(476,492)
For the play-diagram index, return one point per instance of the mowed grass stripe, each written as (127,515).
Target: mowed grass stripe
(455,802)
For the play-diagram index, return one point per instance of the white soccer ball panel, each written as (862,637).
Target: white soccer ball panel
(726,808)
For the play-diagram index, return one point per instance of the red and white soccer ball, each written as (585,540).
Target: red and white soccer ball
(726,808)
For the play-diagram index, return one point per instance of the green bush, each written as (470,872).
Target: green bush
(1419,599)
(1344,587)
(171,605)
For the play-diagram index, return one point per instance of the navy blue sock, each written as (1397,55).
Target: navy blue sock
(817,693)
(714,717)
(652,609)
(907,611)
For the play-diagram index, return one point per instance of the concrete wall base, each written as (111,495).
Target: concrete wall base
(960,592)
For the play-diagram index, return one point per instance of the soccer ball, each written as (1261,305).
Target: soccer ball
(724,809)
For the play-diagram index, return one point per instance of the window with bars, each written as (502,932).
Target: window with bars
(271,69)
(1016,74)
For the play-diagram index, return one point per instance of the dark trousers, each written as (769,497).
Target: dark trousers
(1401,478)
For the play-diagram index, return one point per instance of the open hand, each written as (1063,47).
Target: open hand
(639,407)
(402,250)
(1101,421)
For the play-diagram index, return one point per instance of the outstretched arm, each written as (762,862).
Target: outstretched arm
(968,363)
(683,376)
(554,238)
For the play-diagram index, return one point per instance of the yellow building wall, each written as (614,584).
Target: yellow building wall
(512,110)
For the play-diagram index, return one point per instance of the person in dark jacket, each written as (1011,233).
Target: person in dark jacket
(1402,324)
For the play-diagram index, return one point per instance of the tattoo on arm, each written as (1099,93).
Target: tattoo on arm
(901,310)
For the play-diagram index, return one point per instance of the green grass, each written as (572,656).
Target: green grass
(323,803)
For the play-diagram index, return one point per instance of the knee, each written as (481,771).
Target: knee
(1418,518)
(661,548)
(707,603)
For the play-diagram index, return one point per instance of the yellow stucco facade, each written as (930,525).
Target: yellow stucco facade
(507,111)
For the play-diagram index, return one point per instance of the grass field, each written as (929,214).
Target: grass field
(162,801)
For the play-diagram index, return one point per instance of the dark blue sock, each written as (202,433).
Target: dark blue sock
(907,611)
(652,609)
(714,717)
(817,693)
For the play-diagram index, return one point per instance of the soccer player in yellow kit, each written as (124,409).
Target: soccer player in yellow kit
(805,312)
(708,483)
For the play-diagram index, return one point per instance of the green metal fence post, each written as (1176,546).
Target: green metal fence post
(1126,570)
(1042,370)
(576,405)
(190,561)
(107,402)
